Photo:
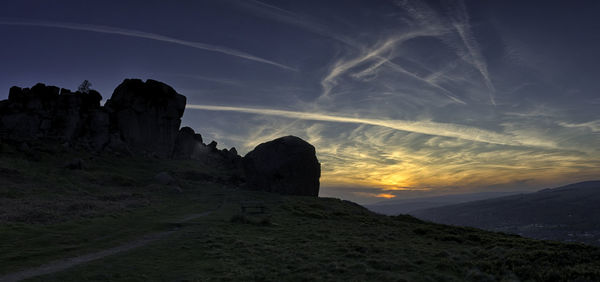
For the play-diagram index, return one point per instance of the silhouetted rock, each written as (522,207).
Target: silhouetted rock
(98,131)
(141,118)
(47,112)
(117,145)
(147,115)
(198,138)
(287,165)
(213,145)
(186,143)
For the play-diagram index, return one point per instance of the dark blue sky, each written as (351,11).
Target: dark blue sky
(400,98)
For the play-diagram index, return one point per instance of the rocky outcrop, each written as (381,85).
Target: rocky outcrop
(47,112)
(187,143)
(147,115)
(287,165)
(141,118)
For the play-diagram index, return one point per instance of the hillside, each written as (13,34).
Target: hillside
(406,206)
(50,212)
(119,192)
(568,213)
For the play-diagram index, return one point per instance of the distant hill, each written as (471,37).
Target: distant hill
(567,213)
(406,206)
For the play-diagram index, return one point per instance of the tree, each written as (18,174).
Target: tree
(84,87)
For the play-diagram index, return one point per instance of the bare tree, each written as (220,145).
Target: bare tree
(84,87)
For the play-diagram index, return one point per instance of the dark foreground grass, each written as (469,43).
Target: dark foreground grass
(329,239)
(48,212)
(299,238)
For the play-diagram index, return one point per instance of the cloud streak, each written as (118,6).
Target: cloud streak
(342,66)
(422,127)
(293,19)
(459,21)
(593,126)
(144,35)
(285,16)
(463,29)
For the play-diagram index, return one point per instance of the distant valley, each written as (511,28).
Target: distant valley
(570,213)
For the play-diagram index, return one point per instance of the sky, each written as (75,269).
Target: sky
(400,98)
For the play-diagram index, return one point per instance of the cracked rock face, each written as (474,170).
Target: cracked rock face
(287,165)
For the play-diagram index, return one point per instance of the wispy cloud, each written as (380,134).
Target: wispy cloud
(145,35)
(285,16)
(463,28)
(593,125)
(204,78)
(458,19)
(476,58)
(377,52)
(422,127)
(328,82)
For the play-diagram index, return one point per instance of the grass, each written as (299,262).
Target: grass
(299,238)
(48,212)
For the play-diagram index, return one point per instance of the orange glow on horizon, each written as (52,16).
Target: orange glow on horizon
(385,195)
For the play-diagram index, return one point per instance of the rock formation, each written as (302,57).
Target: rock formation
(147,115)
(186,143)
(141,118)
(287,165)
(45,112)
(189,145)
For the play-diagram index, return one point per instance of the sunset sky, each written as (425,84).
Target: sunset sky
(400,98)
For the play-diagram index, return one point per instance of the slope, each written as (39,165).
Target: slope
(50,213)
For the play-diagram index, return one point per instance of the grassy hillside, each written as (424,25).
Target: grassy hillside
(49,212)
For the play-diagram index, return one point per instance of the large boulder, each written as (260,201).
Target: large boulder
(287,165)
(147,115)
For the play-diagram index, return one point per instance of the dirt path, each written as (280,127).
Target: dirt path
(62,264)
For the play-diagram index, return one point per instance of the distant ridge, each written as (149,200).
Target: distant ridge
(566,213)
(578,185)
(406,206)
